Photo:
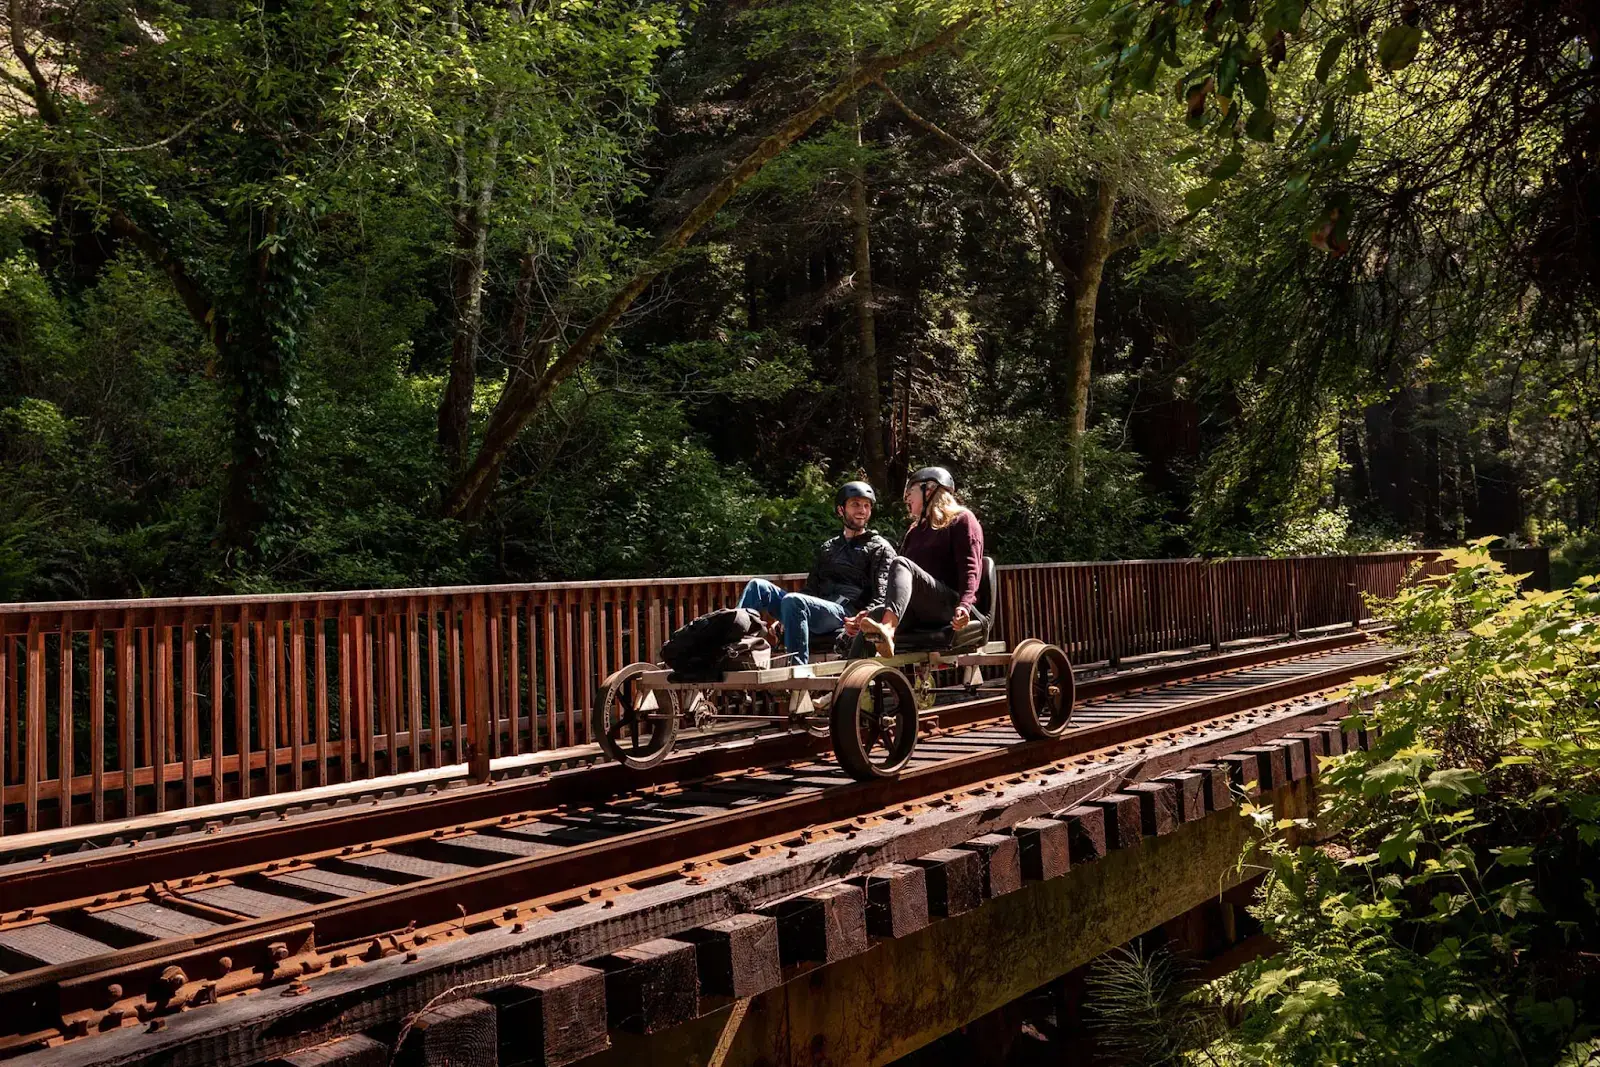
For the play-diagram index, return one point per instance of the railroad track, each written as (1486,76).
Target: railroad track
(101,941)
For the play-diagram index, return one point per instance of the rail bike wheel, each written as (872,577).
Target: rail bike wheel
(635,726)
(1040,690)
(873,721)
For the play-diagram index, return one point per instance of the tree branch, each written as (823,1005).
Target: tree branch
(524,396)
(44,99)
(195,301)
(1013,186)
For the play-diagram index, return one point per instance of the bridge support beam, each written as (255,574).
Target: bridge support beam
(902,993)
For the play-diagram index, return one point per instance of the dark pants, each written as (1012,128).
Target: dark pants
(921,601)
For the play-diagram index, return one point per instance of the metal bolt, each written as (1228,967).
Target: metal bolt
(114,992)
(225,964)
(278,950)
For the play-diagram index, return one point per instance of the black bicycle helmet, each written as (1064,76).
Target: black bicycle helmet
(850,490)
(937,475)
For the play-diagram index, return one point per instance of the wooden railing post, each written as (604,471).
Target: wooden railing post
(1214,594)
(475,672)
(1294,598)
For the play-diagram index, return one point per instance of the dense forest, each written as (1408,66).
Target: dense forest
(316,294)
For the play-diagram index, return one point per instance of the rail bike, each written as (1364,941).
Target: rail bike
(870,708)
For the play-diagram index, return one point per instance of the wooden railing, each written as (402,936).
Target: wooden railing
(173,702)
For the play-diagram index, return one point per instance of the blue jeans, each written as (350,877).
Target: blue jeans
(800,615)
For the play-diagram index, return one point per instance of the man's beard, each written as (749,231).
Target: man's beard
(855,525)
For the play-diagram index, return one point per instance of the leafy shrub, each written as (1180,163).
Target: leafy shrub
(1453,917)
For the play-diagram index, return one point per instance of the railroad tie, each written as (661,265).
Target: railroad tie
(1044,848)
(1124,820)
(823,926)
(461,1033)
(552,1019)
(1158,807)
(955,881)
(1086,827)
(1189,788)
(897,899)
(651,987)
(738,956)
(1000,863)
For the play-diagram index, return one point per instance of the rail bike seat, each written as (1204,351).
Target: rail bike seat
(945,638)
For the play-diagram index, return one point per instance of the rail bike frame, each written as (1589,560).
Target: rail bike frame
(863,705)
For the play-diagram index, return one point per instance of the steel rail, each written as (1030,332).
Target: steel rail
(33,998)
(84,875)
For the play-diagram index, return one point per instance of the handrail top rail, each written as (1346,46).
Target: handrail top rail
(259,599)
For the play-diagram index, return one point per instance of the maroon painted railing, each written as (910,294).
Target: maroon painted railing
(174,702)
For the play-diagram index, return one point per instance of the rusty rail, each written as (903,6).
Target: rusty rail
(180,701)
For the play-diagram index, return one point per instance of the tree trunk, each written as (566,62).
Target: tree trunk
(1080,326)
(258,353)
(471,223)
(525,395)
(869,401)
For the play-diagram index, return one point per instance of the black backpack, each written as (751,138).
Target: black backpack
(704,649)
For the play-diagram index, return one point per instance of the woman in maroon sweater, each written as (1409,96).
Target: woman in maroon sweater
(934,579)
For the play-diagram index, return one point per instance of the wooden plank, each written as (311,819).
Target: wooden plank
(241,698)
(295,697)
(159,743)
(97,721)
(268,641)
(549,675)
(191,709)
(514,678)
(127,753)
(67,723)
(568,690)
(33,728)
(219,746)
(495,679)
(347,689)
(455,622)
(358,1050)
(435,689)
(8,703)
(392,704)
(477,672)
(414,680)
(13,717)
(324,716)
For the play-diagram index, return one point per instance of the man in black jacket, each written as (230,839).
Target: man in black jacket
(848,576)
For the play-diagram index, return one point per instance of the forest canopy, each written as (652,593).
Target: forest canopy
(326,295)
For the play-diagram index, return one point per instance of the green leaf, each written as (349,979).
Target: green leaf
(1330,56)
(1453,784)
(1517,898)
(1398,46)
(1254,82)
(1192,152)
(1260,125)
(1514,761)
(1513,855)
(1228,167)
(1358,82)
(1200,197)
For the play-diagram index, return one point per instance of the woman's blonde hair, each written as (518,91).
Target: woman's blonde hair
(942,508)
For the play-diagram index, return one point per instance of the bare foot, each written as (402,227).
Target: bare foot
(879,634)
